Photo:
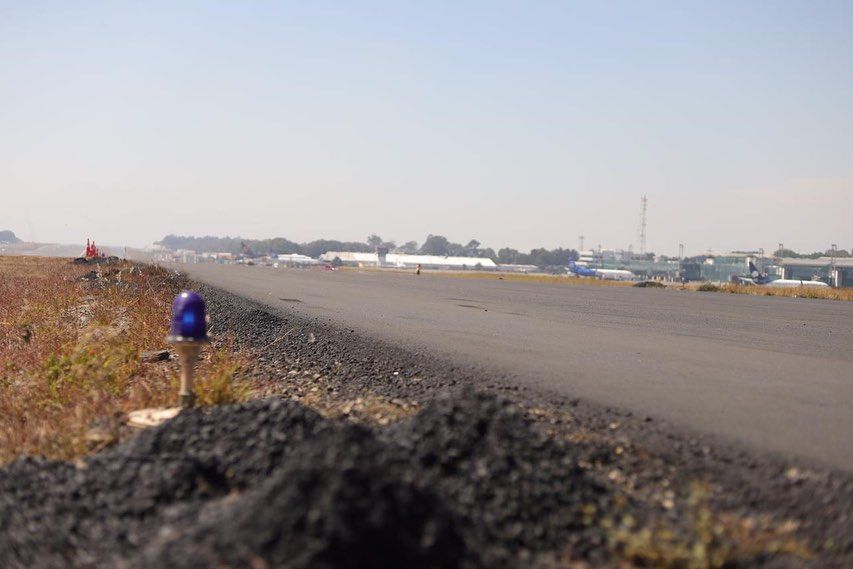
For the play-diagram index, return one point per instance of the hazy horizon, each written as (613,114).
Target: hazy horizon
(516,125)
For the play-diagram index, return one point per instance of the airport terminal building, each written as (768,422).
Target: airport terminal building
(833,271)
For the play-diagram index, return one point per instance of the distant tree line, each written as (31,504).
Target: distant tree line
(841,253)
(275,246)
(540,257)
(433,245)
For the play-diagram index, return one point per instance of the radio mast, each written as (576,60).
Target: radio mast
(641,232)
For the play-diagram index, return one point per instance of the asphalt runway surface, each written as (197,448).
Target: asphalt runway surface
(774,374)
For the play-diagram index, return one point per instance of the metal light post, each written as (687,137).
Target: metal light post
(834,276)
(188,334)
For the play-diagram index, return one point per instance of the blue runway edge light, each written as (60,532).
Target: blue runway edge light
(188,317)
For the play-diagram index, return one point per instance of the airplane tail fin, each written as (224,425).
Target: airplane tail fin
(753,270)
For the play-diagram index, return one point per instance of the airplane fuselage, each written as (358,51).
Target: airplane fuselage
(791,283)
(608,274)
(614,274)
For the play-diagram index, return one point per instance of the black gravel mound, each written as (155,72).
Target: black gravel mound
(466,482)
(649,284)
(512,488)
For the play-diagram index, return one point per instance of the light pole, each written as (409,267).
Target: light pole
(834,271)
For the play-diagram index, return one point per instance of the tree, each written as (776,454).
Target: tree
(785,253)
(275,246)
(508,256)
(791,254)
(374,240)
(487,253)
(471,247)
(435,245)
(409,247)
(320,246)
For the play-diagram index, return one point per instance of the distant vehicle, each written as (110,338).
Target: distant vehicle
(329,267)
(758,278)
(606,274)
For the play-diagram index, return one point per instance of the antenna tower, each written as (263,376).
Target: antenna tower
(641,233)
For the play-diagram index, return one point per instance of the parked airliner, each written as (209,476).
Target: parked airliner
(756,277)
(608,274)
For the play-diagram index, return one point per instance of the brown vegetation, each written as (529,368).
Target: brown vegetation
(71,337)
(793,292)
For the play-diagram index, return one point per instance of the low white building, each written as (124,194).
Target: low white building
(295,259)
(513,268)
(437,261)
(350,258)
(409,261)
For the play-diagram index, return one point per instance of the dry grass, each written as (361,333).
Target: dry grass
(492,275)
(794,292)
(708,540)
(797,292)
(536,278)
(70,366)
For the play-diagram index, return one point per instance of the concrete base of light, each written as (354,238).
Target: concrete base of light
(154,417)
(188,351)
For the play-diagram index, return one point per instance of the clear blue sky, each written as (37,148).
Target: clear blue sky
(521,124)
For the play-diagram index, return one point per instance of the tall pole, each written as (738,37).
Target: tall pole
(581,240)
(834,271)
(641,233)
